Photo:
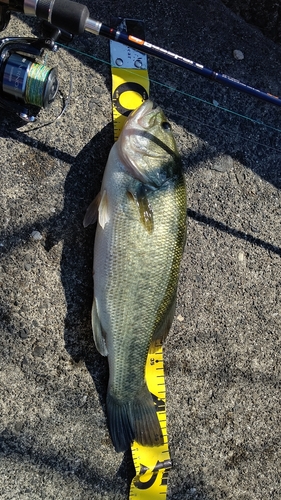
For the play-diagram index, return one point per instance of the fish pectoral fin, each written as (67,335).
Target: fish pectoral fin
(92,211)
(98,334)
(139,196)
(163,328)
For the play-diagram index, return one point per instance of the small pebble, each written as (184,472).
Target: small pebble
(238,54)
(27,266)
(38,351)
(241,256)
(24,362)
(223,164)
(242,259)
(35,235)
(23,333)
(240,177)
(19,426)
(97,90)
(192,491)
(83,400)
(180,317)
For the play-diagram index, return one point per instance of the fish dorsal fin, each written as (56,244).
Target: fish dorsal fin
(92,211)
(103,210)
(98,209)
(139,196)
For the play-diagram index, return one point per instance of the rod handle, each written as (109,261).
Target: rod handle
(65,14)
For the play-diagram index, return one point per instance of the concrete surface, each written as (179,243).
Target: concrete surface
(222,356)
(266,14)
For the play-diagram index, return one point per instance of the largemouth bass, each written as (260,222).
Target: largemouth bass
(140,235)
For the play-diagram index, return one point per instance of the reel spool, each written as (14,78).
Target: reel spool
(26,85)
(28,81)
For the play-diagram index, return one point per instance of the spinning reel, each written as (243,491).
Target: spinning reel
(25,84)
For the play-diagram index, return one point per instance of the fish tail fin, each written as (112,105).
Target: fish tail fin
(133,420)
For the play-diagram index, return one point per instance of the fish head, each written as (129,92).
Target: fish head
(147,147)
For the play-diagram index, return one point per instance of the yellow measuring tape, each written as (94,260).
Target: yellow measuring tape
(152,463)
(130,87)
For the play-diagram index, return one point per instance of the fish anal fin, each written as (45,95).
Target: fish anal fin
(162,329)
(98,334)
(92,211)
(139,196)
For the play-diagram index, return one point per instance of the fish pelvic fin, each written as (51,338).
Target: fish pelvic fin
(103,210)
(91,214)
(97,210)
(133,420)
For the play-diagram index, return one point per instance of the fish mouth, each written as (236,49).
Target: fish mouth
(142,116)
(140,121)
(144,108)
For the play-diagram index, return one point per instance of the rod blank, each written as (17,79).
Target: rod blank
(180,61)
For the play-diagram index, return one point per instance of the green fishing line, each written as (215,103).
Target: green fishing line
(35,85)
(223,108)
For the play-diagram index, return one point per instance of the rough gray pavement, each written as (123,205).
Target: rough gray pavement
(222,357)
(266,14)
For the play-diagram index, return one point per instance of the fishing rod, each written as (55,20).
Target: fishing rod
(152,50)
(74,18)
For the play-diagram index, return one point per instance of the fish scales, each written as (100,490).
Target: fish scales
(137,266)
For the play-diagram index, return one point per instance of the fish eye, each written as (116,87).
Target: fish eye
(166,125)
